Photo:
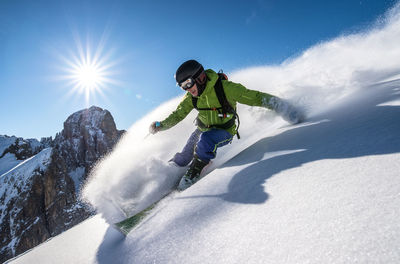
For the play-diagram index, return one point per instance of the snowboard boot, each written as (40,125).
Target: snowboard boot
(192,175)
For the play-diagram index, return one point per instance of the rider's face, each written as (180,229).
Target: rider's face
(193,90)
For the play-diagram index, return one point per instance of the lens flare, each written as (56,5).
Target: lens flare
(88,73)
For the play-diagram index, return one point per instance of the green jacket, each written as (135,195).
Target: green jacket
(235,93)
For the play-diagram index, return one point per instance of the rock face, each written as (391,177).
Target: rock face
(23,148)
(40,198)
(87,135)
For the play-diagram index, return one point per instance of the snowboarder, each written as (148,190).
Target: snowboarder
(215,99)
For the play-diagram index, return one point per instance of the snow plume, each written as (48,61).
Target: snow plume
(334,69)
(137,171)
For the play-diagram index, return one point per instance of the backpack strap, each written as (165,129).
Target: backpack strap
(226,106)
(219,91)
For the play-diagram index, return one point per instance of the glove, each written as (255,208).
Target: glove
(155,127)
(294,116)
(286,110)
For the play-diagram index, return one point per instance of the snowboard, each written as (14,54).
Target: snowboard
(128,224)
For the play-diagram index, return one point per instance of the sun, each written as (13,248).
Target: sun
(88,73)
(88,77)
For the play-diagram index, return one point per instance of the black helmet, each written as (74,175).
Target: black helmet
(188,69)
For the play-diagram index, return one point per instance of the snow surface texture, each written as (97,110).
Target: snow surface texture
(326,191)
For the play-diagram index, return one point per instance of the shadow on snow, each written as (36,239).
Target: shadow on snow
(362,127)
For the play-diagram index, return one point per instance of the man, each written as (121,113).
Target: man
(216,124)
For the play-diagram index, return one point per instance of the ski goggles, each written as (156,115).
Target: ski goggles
(186,85)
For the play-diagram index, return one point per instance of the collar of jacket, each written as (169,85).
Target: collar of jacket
(212,79)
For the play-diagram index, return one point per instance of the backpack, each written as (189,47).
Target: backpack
(225,108)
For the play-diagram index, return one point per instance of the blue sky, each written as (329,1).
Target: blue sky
(141,43)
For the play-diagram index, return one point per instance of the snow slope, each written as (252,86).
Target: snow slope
(326,191)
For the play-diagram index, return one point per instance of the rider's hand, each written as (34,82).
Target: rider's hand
(294,116)
(155,127)
(287,111)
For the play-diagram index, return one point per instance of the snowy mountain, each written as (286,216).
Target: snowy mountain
(325,191)
(14,150)
(39,191)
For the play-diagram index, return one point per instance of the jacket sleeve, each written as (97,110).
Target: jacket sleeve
(183,109)
(238,93)
(282,107)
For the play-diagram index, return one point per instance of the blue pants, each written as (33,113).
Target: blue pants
(204,145)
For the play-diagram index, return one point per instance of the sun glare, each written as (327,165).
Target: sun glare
(88,76)
(88,73)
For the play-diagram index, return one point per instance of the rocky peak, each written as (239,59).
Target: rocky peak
(88,134)
(94,119)
(45,201)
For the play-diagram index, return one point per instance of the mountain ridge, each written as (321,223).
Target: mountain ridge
(40,187)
